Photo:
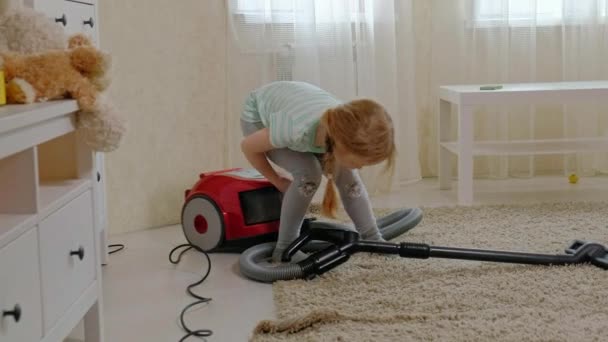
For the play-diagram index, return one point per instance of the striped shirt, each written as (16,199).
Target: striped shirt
(291,111)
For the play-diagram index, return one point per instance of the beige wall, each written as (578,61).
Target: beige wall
(169,80)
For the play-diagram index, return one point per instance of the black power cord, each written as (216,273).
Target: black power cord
(199,299)
(119,247)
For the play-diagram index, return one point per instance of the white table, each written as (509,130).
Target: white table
(466,97)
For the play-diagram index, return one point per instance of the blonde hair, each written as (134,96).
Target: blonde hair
(363,128)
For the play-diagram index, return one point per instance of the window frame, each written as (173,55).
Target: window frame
(477,20)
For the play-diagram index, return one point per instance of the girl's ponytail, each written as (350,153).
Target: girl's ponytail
(330,198)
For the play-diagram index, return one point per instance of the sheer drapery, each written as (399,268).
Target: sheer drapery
(352,48)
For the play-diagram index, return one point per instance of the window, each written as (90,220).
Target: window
(537,12)
(294,11)
(287,30)
(265,11)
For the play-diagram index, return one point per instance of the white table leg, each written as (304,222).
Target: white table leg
(465,155)
(445,125)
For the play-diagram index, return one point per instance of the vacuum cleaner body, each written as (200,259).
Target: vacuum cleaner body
(231,210)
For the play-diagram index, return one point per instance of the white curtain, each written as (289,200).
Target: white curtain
(500,41)
(352,48)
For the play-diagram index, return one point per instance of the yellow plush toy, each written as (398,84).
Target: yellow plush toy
(2,90)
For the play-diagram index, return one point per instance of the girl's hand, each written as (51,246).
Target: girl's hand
(282,183)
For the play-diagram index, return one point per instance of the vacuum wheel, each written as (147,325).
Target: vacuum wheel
(203,223)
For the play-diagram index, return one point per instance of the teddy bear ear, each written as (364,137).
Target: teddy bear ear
(79,39)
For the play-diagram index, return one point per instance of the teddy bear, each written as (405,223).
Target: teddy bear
(53,74)
(77,72)
(42,69)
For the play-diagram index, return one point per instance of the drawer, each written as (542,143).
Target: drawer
(52,8)
(20,290)
(67,256)
(81,19)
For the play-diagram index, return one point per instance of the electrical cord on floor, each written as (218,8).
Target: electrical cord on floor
(199,299)
(119,247)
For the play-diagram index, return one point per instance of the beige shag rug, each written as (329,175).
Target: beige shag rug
(378,298)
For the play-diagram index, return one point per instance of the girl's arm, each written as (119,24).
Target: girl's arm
(255,146)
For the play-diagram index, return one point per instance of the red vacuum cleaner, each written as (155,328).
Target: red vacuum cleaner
(231,210)
(238,210)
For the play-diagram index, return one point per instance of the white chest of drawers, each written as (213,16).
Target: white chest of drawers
(50,263)
(52,211)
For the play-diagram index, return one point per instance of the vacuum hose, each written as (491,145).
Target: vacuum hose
(254,265)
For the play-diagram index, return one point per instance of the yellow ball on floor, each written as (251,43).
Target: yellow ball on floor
(573,178)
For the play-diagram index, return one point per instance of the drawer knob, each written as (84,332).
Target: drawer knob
(62,20)
(89,22)
(79,253)
(16,313)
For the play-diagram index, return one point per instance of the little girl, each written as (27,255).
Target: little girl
(308,132)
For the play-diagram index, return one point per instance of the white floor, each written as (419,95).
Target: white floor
(144,294)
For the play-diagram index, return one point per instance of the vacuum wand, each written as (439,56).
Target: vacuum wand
(345,243)
(579,252)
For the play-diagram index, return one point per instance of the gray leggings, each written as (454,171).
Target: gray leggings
(306,171)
